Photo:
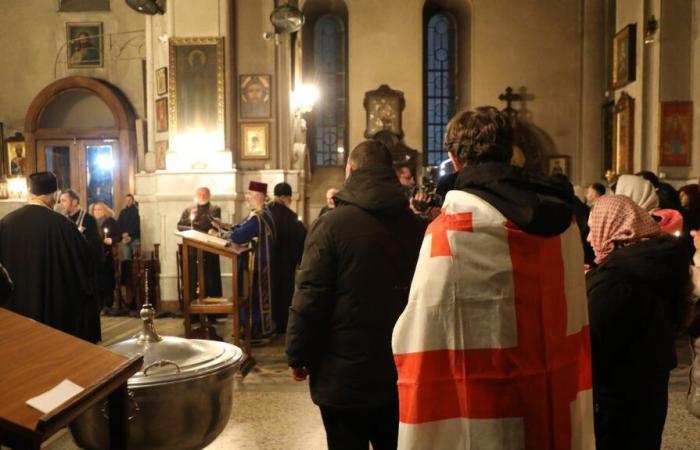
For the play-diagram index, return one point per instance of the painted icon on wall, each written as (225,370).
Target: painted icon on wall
(255,96)
(558,165)
(624,56)
(254,140)
(161,151)
(675,133)
(161,115)
(84,45)
(162,81)
(623,155)
(196,91)
(16,159)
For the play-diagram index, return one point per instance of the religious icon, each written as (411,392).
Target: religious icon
(676,133)
(161,115)
(384,107)
(84,45)
(254,140)
(255,96)
(558,165)
(623,155)
(161,151)
(624,56)
(16,159)
(162,81)
(196,85)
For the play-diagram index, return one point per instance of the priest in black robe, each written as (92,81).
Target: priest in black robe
(287,251)
(199,217)
(50,263)
(86,223)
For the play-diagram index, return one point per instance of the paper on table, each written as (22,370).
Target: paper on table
(49,400)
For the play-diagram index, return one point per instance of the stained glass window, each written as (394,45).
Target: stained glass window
(439,87)
(330,110)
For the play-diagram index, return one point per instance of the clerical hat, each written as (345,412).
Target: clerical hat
(41,183)
(283,189)
(257,186)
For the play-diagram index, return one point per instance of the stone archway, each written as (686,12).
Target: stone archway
(122,129)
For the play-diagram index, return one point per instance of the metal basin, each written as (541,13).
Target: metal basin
(181,399)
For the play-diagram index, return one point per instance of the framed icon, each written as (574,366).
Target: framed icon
(254,141)
(161,115)
(84,45)
(162,81)
(623,128)
(254,100)
(624,56)
(675,133)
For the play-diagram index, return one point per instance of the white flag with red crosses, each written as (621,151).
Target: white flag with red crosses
(493,348)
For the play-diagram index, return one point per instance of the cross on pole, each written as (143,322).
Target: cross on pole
(510,97)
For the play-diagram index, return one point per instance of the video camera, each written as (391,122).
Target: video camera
(427,187)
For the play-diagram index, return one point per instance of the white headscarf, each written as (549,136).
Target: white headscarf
(641,191)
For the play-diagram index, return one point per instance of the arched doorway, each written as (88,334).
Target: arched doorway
(82,129)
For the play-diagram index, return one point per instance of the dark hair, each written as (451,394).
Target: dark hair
(72,194)
(650,177)
(693,193)
(130,195)
(370,153)
(598,187)
(479,136)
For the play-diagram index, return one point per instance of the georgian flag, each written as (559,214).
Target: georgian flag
(493,348)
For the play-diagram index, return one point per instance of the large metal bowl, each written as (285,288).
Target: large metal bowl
(181,398)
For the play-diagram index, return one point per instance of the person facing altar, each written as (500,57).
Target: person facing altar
(258,228)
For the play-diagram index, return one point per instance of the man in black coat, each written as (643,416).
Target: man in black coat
(286,253)
(352,286)
(50,263)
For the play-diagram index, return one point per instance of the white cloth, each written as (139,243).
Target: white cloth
(641,191)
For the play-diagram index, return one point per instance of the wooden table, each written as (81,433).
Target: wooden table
(202,242)
(34,358)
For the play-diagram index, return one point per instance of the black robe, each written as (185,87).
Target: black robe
(91,234)
(212,270)
(286,256)
(106,282)
(52,268)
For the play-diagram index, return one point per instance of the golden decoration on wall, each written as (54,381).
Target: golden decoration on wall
(623,153)
(384,107)
(675,133)
(254,101)
(624,56)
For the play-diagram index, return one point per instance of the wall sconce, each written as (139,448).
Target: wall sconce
(303,99)
(652,26)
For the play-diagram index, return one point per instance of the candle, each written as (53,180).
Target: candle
(106,231)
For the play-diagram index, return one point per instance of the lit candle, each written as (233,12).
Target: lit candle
(106,232)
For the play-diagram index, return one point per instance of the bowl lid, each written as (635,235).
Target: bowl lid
(173,358)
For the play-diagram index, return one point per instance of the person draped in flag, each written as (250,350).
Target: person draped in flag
(638,297)
(259,226)
(493,348)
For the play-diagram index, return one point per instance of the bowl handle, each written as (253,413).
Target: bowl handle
(160,363)
(134,406)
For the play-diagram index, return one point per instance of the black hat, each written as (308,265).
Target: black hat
(41,183)
(283,189)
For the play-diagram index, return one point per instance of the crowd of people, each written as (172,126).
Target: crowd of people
(512,315)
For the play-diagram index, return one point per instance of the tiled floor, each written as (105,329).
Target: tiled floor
(271,411)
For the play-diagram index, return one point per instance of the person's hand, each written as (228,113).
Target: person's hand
(215,222)
(212,232)
(299,373)
(420,197)
(108,241)
(696,238)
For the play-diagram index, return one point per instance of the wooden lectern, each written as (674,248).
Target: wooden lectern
(207,243)
(35,358)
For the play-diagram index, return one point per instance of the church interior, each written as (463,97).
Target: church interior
(159,98)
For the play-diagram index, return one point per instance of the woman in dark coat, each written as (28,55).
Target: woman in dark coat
(111,235)
(637,297)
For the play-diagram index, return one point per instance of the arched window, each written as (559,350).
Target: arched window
(329,122)
(440,76)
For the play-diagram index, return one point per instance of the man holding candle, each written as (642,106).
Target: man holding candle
(199,217)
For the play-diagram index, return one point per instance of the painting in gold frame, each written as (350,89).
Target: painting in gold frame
(558,165)
(196,85)
(624,62)
(254,141)
(16,158)
(161,115)
(161,151)
(675,133)
(623,128)
(162,81)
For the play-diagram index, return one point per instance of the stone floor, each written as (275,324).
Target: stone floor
(271,411)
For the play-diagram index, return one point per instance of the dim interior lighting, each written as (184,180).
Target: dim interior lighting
(303,98)
(104,162)
(17,187)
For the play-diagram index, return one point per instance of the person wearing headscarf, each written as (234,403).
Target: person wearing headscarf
(644,194)
(637,298)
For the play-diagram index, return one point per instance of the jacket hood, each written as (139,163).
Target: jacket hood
(661,260)
(535,204)
(374,189)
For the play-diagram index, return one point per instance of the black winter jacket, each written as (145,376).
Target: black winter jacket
(352,286)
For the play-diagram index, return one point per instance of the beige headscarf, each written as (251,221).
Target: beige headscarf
(616,221)
(641,191)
